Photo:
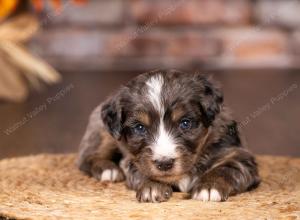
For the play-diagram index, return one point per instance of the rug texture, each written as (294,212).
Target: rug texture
(51,187)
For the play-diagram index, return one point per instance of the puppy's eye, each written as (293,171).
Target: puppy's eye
(139,129)
(185,124)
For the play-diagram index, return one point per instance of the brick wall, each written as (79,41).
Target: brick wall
(147,34)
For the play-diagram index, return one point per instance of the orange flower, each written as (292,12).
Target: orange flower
(7,7)
(79,2)
(38,4)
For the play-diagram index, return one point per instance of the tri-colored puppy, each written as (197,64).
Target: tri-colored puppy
(167,130)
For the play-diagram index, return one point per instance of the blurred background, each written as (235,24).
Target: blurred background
(59,59)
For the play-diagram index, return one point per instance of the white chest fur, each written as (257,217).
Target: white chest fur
(186,183)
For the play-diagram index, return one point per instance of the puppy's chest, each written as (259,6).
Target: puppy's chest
(186,183)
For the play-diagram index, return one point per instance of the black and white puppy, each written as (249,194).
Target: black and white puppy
(168,130)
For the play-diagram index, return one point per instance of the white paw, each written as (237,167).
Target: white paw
(154,192)
(208,195)
(110,175)
(145,196)
(149,194)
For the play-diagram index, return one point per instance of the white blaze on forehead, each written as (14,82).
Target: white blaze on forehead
(155,84)
(164,144)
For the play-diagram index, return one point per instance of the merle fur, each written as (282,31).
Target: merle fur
(221,162)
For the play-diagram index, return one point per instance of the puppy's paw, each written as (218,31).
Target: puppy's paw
(106,170)
(214,190)
(206,195)
(154,192)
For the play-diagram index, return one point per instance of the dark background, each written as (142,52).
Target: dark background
(59,128)
(251,47)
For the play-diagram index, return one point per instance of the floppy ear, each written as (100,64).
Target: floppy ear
(111,117)
(211,99)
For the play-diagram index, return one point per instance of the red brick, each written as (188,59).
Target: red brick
(295,48)
(70,43)
(255,47)
(196,12)
(80,49)
(92,49)
(92,13)
(167,43)
(279,12)
(131,43)
(193,44)
(295,43)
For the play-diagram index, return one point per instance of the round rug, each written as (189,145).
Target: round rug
(51,187)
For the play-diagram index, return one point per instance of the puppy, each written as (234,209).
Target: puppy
(168,130)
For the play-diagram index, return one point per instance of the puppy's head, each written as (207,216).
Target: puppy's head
(162,119)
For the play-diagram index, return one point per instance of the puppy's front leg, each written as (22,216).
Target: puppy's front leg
(146,190)
(152,191)
(97,149)
(233,171)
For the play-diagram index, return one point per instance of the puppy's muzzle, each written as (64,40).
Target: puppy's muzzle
(164,164)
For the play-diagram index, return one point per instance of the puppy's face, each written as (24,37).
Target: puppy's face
(162,119)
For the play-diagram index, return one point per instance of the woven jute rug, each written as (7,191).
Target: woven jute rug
(51,187)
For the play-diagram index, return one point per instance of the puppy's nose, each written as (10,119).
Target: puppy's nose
(164,165)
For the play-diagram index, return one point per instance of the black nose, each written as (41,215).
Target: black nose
(164,165)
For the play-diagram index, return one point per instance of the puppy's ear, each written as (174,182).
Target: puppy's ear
(111,117)
(211,99)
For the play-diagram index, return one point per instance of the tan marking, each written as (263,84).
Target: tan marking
(169,179)
(144,118)
(177,114)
